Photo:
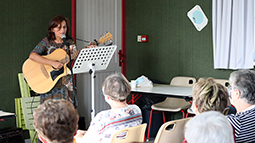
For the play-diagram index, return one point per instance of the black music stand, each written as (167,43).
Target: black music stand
(91,60)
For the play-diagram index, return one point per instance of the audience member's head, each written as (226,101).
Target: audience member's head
(116,87)
(209,127)
(242,89)
(56,121)
(209,96)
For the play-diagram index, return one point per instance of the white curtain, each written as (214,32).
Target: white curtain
(233,34)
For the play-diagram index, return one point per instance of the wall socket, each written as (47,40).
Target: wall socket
(139,39)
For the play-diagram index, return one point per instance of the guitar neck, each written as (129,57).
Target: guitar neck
(106,39)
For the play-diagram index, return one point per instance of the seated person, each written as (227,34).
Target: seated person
(209,96)
(209,127)
(115,89)
(56,121)
(242,90)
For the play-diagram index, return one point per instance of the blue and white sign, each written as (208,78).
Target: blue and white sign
(197,17)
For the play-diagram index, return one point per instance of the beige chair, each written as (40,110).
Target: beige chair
(172,131)
(173,104)
(133,134)
(224,82)
(183,81)
(189,111)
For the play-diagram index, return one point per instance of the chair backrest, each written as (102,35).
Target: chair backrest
(224,82)
(133,134)
(172,131)
(183,81)
(29,104)
(24,88)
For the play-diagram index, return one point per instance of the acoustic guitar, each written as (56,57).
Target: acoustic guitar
(42,78)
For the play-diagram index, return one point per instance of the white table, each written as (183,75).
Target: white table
(5,115)
(163,90)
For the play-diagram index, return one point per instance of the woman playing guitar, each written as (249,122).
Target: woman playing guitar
(58,26)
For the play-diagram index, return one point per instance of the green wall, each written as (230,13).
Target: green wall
(175,47)
(23,23)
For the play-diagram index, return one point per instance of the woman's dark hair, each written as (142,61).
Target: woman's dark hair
(54,22)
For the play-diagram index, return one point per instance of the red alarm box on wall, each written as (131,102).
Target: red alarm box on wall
(144,38)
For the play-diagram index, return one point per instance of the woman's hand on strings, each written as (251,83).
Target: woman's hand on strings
(57,65)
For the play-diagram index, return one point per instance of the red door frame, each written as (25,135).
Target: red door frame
(123,37)
(73,24)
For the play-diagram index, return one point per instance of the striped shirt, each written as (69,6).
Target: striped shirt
(244,125)
(108,122)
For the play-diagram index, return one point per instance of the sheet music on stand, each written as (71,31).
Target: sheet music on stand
(91,60)
(100,56)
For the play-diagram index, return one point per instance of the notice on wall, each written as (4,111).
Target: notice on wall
(197,17)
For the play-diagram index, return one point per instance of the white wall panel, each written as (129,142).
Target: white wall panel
(93,18)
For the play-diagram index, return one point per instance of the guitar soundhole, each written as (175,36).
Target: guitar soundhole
(55,73)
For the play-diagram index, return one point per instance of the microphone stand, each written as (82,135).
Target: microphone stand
(74,96)
(80,40)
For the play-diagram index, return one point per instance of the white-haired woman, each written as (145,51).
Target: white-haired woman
(209,127)
(115,89)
